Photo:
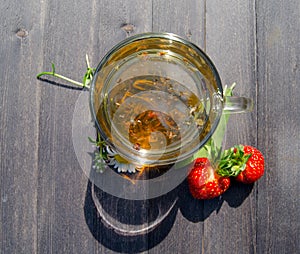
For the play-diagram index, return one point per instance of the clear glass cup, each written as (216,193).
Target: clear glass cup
(157,98)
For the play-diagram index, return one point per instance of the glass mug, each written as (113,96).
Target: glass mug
(157,98)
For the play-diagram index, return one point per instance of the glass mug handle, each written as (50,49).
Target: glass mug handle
(235,104)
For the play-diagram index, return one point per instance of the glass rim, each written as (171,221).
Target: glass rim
(168,36)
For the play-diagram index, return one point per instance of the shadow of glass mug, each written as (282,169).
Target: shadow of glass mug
(157,98)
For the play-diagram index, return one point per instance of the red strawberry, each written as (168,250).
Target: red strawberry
(246,163)
(204,182)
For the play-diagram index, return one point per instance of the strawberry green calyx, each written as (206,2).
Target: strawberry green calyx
(233,161)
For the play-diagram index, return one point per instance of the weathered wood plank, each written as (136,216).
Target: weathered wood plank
(278,212)
(61,183)
(19,111)
(187,19)
(230,42)
(65,221)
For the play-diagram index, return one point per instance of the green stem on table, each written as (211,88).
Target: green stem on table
(100,155)
(86,79)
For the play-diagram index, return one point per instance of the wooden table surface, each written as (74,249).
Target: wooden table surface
(46,204)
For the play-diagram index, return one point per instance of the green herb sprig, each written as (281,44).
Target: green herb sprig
(88,76)
(100,153)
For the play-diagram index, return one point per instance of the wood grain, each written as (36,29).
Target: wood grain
(278,211)
(61,184)
(46,204)
(230,42)
(19,115)
(68,213)
(187,20)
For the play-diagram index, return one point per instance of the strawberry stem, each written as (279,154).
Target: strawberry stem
(233,161)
